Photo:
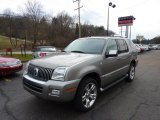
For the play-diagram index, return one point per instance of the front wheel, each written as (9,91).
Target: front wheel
(86,95)
(131,73)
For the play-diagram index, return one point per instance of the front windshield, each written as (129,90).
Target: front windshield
(86,45)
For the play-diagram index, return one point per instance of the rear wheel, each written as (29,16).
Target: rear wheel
(86,95)
(131,73)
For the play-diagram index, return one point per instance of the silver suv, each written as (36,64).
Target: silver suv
(86,67)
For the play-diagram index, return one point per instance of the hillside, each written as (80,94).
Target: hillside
(5,43)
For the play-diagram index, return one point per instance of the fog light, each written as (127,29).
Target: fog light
(54,92)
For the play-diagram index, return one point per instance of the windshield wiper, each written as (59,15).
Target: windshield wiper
(77,51)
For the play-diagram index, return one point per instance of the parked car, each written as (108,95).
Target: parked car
(158,47)
(141,47)
(146,48)
(155,47)
(150,47)
(86,67)
(138,48)
(42,51)
(9,65)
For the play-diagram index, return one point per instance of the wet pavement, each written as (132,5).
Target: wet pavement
(139,100)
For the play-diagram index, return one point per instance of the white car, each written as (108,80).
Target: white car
(146,48)
(137,48)
(42,51)
(155,47)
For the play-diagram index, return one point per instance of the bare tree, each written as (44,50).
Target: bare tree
(8,14)
(62,29)
(35,26)
(35,13)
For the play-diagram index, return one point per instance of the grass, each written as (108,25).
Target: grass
(19,56)
(5,43)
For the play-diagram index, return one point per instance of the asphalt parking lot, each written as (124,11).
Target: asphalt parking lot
(139,100)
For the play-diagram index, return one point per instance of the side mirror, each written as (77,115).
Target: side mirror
(112,53)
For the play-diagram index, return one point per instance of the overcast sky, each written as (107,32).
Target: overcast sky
(146,12)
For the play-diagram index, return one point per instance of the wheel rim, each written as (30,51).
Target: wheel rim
(89,95)
(132,72)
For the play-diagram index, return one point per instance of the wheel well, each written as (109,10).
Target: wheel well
(133,62)
(95,76)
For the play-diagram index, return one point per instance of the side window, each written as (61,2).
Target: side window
(112,45)
(122,45)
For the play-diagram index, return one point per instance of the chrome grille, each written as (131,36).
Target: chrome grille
(43,74)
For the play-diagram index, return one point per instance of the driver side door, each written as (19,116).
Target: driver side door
(110,64)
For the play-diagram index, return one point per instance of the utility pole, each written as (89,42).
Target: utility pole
(79,15)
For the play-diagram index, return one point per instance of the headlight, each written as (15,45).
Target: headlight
(59,73)
(3,64)
(19,62)
(26,68)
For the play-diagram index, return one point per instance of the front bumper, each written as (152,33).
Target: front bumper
(9,70)
(65,91)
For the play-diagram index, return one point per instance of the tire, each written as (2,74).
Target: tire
(131,73)
(86,95)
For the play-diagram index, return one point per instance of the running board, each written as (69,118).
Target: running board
(103,89)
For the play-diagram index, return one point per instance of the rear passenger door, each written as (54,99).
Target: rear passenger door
(123,57)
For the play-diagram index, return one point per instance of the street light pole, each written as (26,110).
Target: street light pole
(113,6)
(108,22)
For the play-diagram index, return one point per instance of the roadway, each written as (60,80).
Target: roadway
(139,100)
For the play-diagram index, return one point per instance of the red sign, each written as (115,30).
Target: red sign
(8,49)
(42,54)
(123,21)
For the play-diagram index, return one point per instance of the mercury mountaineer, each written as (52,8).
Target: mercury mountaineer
(86,67)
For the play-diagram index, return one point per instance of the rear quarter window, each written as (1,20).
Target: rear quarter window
(122,46)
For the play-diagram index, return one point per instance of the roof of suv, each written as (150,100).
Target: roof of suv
(106,37)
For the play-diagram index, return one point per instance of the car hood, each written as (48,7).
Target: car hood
(6,59)
(62,59)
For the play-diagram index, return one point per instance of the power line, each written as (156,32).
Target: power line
(79,16)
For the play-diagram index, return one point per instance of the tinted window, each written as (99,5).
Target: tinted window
(112,45)
(122,46)
(86,45)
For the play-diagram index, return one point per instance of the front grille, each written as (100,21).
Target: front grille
(43,74)
(33,86)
